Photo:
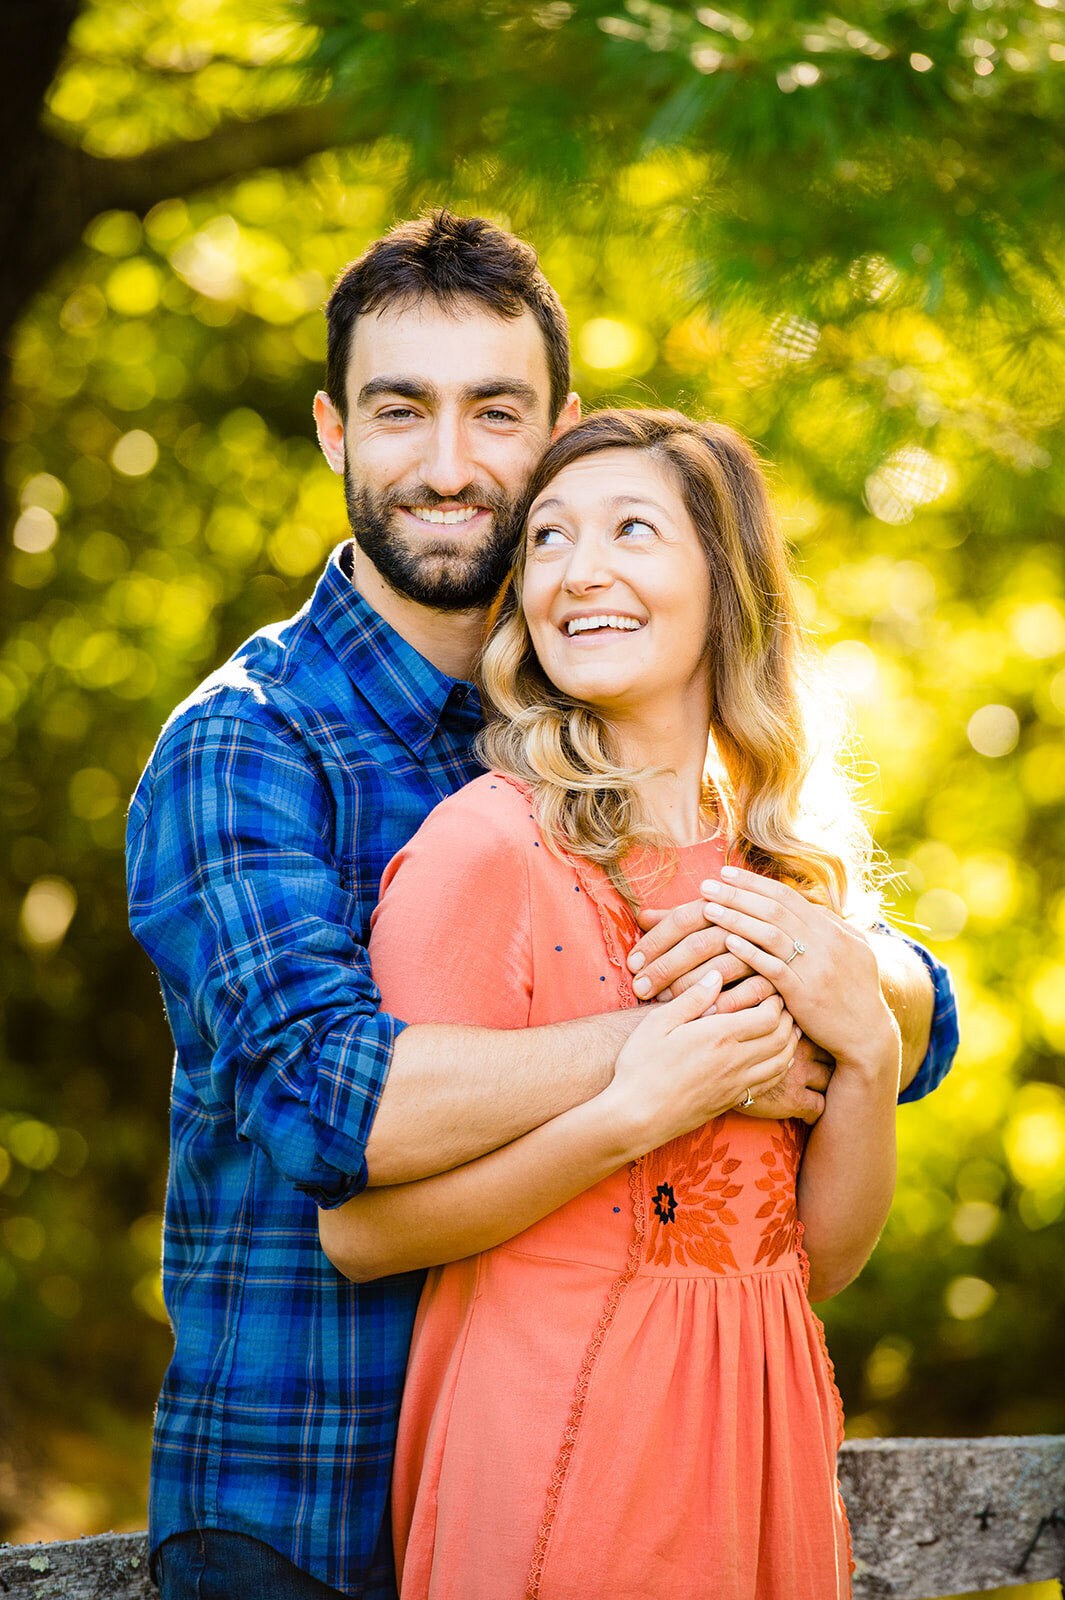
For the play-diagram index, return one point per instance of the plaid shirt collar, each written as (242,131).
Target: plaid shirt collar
(406,690)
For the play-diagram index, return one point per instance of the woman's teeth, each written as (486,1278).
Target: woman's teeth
(587,624)
(427,514)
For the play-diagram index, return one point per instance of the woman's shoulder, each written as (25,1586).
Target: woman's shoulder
(491,807)
(477,837)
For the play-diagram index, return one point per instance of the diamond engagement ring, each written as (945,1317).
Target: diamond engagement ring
(799,950)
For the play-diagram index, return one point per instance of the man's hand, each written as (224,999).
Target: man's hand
(824,970)
(679,949)
(801,1092)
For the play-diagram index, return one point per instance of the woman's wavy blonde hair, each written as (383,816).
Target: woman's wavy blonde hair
(772,785)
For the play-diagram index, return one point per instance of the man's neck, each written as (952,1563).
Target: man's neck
(451,640)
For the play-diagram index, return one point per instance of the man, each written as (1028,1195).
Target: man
(258,835)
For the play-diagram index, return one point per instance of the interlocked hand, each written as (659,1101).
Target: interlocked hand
(824,969)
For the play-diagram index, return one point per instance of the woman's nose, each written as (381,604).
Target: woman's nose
(586,569)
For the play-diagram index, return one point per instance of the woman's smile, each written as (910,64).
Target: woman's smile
(599,627)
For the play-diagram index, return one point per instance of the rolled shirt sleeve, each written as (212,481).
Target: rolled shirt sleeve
(237,895)
(944,1036)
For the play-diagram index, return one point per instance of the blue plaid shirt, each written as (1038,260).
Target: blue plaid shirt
(276,796)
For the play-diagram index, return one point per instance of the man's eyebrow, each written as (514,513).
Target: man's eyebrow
(405,388)
(492,388)
(428,393)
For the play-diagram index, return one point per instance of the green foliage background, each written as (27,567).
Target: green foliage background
(838,235)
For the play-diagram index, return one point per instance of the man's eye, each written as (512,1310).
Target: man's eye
(540,538)
(637,528)
(396,414)
(495,415)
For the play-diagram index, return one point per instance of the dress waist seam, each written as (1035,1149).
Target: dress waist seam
(792,1268)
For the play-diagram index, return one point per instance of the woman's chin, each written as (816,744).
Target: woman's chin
(610,698)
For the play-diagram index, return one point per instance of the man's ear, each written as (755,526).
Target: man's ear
(570,413)
(330,430)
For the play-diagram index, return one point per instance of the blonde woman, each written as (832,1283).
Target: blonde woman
(617,1388)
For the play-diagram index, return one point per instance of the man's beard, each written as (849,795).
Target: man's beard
(436,573)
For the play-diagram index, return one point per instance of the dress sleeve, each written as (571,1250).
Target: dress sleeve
(451,935)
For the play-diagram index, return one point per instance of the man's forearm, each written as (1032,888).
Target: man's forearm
(454,1093)
(478,1205)
(907,988)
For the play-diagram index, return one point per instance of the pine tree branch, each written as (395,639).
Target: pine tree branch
(136,183)
(64,187)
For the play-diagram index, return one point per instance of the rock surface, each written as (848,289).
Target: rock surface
(929,1518)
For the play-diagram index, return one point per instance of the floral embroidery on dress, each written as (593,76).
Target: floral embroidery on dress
(780,1225)
(690,1205)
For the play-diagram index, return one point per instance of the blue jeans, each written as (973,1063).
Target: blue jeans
(213,1564)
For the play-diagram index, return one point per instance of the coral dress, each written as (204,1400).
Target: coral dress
(632,1399)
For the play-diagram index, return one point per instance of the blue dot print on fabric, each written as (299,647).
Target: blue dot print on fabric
(558,947)
(602,979)
(617,1210)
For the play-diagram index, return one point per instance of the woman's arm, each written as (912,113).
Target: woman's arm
(847,1176)
(681,1066)
(827,973)
(473,1208)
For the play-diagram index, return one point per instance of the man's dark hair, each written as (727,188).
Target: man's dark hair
(448,258)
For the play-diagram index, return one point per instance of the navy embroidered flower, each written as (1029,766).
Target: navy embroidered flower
(665,1202)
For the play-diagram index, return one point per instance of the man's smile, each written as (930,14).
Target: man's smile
(449,515)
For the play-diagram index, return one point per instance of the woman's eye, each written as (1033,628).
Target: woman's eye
(636,528)
(541,538)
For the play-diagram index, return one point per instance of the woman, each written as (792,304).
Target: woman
(617,1387)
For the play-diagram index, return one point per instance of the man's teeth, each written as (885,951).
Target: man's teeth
(587,624)
(433,514)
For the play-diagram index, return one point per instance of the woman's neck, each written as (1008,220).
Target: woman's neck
(673,740)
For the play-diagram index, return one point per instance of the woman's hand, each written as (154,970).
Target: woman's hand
(687,1063)
(824,968)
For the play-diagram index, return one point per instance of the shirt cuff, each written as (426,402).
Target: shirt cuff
(944,1037)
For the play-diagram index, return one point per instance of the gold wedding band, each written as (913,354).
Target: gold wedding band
(748,1100)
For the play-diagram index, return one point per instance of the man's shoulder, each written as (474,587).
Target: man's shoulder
(279,680)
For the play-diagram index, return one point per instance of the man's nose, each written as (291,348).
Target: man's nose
(447,465)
